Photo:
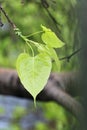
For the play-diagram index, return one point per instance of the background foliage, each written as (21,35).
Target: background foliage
(28,16)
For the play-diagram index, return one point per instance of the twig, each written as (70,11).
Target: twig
(46,6)
(70,56)
(1,23)
(8,19)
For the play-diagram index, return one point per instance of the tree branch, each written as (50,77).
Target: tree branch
(8,19)
(57,89)
(45,5)
(71,55)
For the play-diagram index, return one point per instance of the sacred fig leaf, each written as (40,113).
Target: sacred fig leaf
(34,72)
(50,38)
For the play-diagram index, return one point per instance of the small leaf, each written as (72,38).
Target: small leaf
(34,72)
(50,38)
(54,56)
(52,53)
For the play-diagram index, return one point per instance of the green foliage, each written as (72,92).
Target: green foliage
(28,17)
(18,113)
(1,110)
(33,70)
(56,118)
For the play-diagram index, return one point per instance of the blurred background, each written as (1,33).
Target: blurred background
(28,15)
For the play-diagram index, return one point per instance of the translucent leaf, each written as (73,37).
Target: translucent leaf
(52,53)
(34,72)
(50,38)
(54,56)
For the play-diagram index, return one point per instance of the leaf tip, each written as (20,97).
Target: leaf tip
(45,28)
(35,103)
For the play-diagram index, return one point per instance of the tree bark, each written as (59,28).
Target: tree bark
(60,88)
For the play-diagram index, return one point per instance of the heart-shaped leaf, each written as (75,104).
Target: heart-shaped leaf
(50,38)
(34,72)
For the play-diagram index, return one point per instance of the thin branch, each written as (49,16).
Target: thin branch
(46,6)
(1,23)
(8,19)
(71,55)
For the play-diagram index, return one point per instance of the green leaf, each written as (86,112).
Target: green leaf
(34,72)
(54,56)
(50,38)
(52,53)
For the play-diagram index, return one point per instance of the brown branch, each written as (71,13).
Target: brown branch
(70,56)
(8,19)
(1,23)
(56,89)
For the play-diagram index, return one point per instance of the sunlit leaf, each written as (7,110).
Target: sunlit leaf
(34,72)
(52,53)
(50,38)
(54,56)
